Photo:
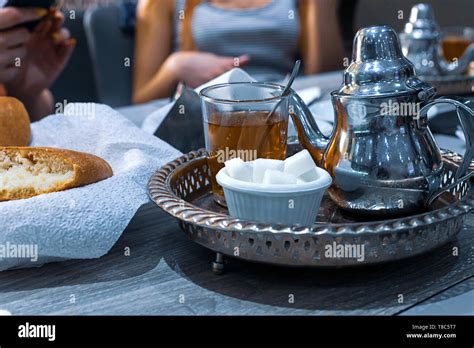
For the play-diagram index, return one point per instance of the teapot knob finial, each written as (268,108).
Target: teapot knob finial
(378,65)
(422,12)
(422,19)
(376,43)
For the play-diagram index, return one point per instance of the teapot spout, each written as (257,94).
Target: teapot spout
(309,134)
(456,67)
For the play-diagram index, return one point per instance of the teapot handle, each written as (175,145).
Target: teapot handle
(465,112)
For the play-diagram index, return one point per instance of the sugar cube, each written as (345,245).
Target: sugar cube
(277,177)
(299,164)
(312,175)
(239,170)
(260,165)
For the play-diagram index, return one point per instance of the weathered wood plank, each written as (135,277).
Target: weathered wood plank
(457,300)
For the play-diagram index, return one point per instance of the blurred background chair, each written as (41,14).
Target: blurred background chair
(110,37)
(76,83)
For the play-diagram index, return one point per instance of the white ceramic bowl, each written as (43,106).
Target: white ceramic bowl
(285,204)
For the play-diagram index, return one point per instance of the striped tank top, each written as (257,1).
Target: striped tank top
(268,34)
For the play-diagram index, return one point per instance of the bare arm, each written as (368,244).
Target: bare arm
(325,45)
(152,47)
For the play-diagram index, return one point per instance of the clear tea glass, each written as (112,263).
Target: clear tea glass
(455,42)
(239,122)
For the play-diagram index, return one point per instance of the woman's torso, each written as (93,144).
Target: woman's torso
(268,34)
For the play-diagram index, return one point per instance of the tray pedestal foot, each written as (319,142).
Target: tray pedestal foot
(219,264)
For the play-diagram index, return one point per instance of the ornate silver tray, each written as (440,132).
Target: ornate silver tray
(182,189)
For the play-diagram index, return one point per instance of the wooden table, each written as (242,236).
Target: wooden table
(165,273)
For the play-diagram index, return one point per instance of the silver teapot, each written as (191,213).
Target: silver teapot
(421,44)
(381,154)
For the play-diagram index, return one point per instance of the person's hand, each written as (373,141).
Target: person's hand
(13,39)
(197,68)
(45,55)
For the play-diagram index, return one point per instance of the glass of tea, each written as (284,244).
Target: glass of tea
(455,42)
(248,120)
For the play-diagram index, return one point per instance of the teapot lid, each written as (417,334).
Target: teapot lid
(422,23)
(378,66)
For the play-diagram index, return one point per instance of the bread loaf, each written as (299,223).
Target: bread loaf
(29,171)
(14,123)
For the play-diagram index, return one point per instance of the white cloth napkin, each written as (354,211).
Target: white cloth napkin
(153,121)
(83,223)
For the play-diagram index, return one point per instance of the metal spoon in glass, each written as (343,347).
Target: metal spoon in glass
(286,90)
